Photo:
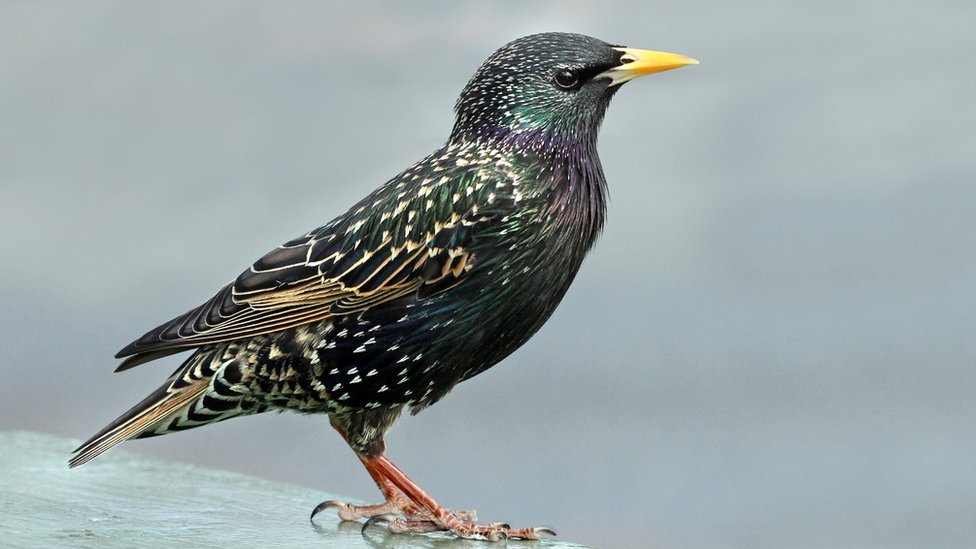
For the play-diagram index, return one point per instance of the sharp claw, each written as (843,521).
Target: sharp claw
(545,530)
(372,521)
(421,523)
(323,506)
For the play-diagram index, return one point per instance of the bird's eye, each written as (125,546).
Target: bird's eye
(566,79)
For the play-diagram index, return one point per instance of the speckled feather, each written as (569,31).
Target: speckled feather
(431,279)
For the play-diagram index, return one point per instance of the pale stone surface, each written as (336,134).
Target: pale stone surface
(124,500)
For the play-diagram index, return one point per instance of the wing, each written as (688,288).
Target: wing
(411,236)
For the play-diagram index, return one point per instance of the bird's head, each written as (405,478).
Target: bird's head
(550,87)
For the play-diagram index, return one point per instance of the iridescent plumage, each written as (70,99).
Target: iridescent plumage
(432,278)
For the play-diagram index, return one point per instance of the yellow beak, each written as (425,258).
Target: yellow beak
(640,62)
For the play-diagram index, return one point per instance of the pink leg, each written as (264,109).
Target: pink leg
(438,516)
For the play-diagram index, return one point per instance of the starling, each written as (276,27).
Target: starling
(433,278)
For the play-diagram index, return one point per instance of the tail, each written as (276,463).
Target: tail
(196,394)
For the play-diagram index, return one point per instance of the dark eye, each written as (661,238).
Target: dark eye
(566,79)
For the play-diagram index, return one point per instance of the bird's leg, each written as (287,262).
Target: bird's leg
(395,504)
(437,517)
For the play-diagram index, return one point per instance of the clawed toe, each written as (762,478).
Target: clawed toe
(325,505)
(406,526)
(409,510)
(378,520)
(348,511)
(500,531)
(546,531)
(497,531)
(401,521)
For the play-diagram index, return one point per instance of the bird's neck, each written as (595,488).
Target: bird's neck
(579,194)
(565,166)
(546,142)
(572,180)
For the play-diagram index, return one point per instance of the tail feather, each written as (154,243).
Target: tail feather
(152,411)
(196,394)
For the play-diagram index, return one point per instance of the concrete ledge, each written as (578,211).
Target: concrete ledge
(124,500)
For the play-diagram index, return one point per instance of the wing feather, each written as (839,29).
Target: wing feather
(393,243)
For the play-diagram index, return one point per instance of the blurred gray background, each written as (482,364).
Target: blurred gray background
(771,345)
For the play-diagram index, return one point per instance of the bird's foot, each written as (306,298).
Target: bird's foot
(410,510)
(460,527)
(348,511)
(396,504)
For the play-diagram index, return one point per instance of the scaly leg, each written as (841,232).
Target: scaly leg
(437,517)
(395,504)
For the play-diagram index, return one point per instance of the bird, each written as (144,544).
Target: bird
(437,275)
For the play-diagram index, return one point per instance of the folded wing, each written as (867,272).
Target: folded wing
(377,252)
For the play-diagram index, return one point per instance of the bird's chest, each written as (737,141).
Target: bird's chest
(412,351)
(525,273)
